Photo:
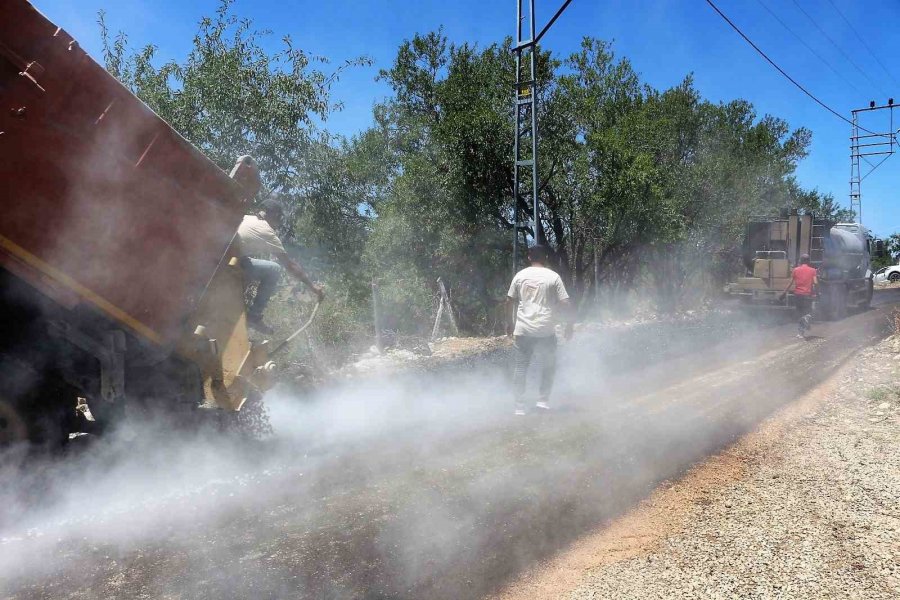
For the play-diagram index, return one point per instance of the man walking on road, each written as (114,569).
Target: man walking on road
(536,299)
(804,280)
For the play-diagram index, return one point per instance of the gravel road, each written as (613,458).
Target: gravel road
(419,488)
(817,515)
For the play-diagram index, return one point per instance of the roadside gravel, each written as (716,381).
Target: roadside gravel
(816,514)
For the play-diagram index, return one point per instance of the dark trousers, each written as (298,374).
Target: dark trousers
(804,312)
(525,348)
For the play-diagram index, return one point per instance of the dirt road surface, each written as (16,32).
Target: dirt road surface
(423,488)
(802,508)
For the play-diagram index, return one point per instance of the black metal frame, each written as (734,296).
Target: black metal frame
(861,151)
(525,160)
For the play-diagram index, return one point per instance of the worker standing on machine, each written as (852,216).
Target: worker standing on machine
(535,299)
(257,240)
(804,280)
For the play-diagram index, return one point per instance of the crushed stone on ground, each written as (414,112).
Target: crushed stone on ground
(442,350)
(817,514)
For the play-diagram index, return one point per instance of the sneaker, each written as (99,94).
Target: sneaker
(520,410)
(801,336)
(542,405)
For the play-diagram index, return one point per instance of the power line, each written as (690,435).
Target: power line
(860,38)
(810,48)
(839,49)
(782,71)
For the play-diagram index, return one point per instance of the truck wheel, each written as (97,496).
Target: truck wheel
(43,430)
(36,408)
(834,302)
(870,291)
(12,425)
(14,444)
(838,302)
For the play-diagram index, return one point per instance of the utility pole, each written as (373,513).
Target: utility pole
(525,166)
(525,144)
(863,146)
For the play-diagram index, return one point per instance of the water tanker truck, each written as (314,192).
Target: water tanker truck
(120,285)
(840,252)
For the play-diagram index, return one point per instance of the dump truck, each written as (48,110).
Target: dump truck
(840,251)
(120,285)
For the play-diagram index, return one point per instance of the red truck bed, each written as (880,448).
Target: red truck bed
(101,200)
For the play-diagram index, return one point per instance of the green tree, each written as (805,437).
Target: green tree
(445,211)
(231,96)
(639,188)
(892,253)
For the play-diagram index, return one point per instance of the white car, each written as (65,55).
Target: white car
(887,274)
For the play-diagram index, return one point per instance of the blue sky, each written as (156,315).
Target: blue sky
(664,39)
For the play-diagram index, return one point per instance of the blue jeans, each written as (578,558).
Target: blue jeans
(265,273)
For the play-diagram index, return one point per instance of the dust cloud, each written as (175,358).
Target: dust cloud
(414,485)
(144,477)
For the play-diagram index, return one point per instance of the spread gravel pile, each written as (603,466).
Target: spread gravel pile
(817,515)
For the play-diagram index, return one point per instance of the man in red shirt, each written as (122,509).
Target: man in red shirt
(804,280)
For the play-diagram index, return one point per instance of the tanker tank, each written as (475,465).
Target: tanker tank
(846,252)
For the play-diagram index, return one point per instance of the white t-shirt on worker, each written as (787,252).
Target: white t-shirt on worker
(539,291)
(257,238)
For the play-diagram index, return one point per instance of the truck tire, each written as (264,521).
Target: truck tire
(13,429)
(838,302)
(34,413)
(14,444)
(870,291)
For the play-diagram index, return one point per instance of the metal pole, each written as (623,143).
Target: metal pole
(855,199)
(376,316)
(549,24)
(538,233)
(859,152)
(526,119)
(516,141)
(445,299)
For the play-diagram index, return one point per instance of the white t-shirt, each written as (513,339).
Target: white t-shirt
(539,291)
(258,239)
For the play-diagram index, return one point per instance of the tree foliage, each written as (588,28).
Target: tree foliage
(891,253)
(639,187)
(230,96)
